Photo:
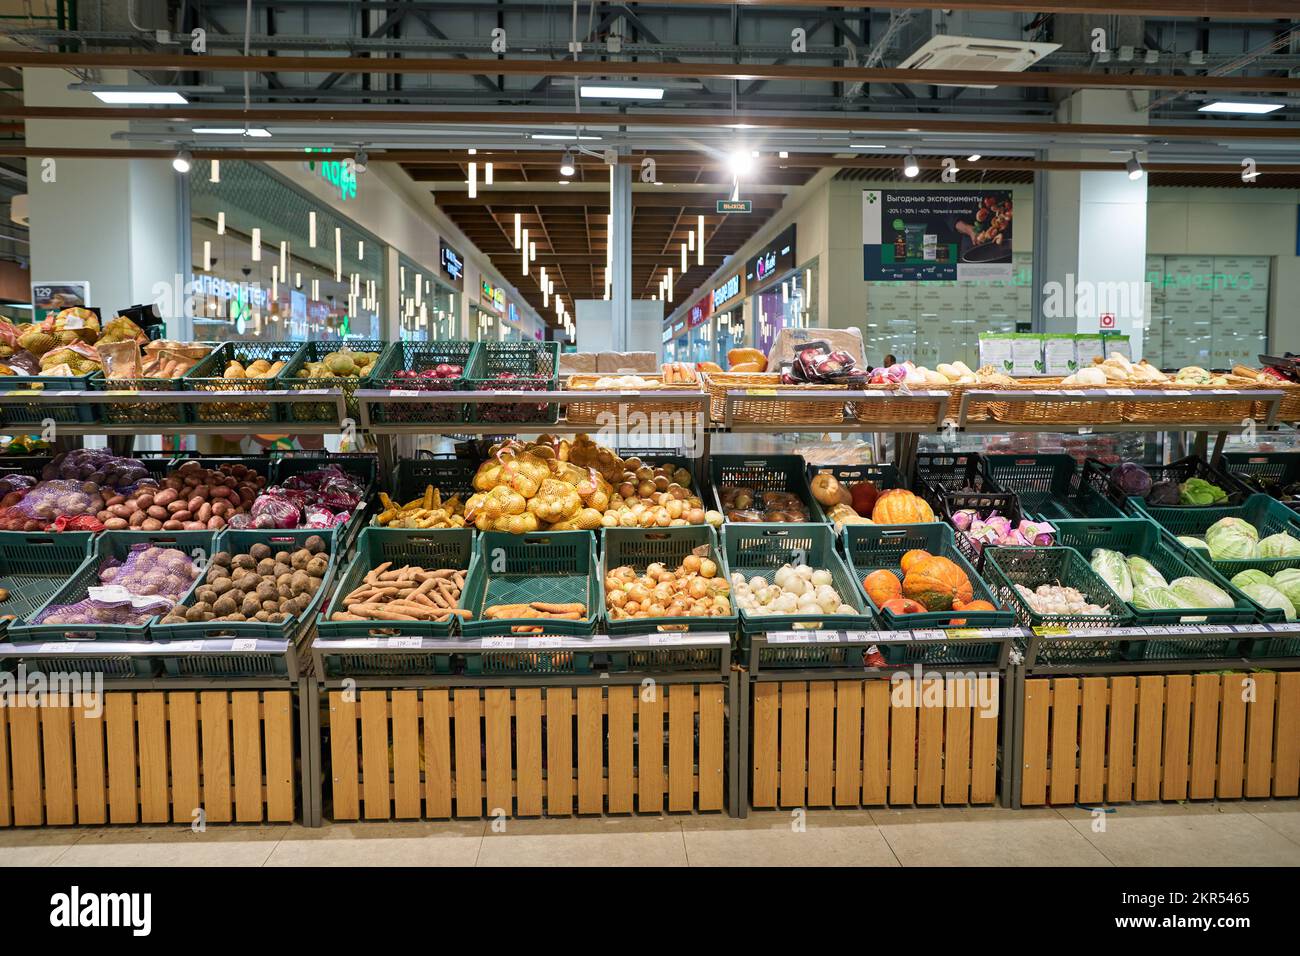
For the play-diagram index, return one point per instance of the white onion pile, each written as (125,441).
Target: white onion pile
(797,589)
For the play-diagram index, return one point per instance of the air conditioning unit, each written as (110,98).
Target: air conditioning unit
(947,52)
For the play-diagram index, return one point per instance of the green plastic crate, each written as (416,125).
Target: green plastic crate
(760,549)
(326,412)
(558,567)
(110,544)
(1006,567)
(129,411)
(641,547)
(209,376)
(431,550)
(364,469)
(534,365)
(1048,486)
(763,473)
(1266,514)
(1260,471)
(34,565)
(12,413)
(876,547)
(238,542)
(418,356)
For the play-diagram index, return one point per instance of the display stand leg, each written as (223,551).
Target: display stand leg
(740,749)
(309,750)
(122,445)
(1013,684)
(387,461)
(1220,440)
(1200,445)
(1016,677)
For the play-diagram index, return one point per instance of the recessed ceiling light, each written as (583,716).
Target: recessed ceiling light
(140,97)
(620,91)
(1253,107)
(784,154)
(564,182)
(565,137)
(255,131)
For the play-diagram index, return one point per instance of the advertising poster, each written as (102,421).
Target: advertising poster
(936,235)
(52,297)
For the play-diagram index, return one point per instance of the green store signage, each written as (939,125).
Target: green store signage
(1201,280)
(337,173)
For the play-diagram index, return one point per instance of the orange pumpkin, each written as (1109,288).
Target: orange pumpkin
(882,586)
(899,506)
(957,605)
(937,583)
(911,557)
(903,606)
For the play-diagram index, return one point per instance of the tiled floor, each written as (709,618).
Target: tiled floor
(1254,833)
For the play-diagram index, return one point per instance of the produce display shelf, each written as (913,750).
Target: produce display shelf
(939,399)
(1251,646)
(1117,397)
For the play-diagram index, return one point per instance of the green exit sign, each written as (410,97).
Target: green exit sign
(735,205)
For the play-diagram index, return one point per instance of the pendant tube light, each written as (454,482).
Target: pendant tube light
(473,180)
(284,259)
(524,251)
(207,255)
(221,223)
(311,229)
(699,246)
(257,244)
(338,254)
(683,258)
(214,172)
(487,174)
(519,221)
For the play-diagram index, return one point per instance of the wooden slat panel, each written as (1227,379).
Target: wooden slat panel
(1205,736)
(6,810)
(765,739)
(875,743)
(376,803)
(559,751)
(183,738)
(1286,764)
(496,743)
(984,741)
(25,747)
(1232,736)
(528,745)
(1065,739)
(469,753)
(246,734)
(902,748)
(591,742)
(119,716)
(848,742)
(437,753)
(821,743)
(278,742)
(56,749)
(1259,737)
(151,722)
(712,755)
(1092,741)
(345,779)
(794,742)
(1178,717)
(650,749)
(1033,780)
(956,741)
(929,741)
(1150,726)
(406,754)
(681,747)
(1123,700)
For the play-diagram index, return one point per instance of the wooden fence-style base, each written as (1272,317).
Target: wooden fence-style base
(1160,737)
(149,757)
(846,743)
(526,751)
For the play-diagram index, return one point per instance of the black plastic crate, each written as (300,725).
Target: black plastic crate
(1266,472)
(1096,476)
(763,473)
(1005,503)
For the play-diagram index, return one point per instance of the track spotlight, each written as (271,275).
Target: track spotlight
(182,161)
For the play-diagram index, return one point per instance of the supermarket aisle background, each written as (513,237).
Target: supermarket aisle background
(1255,833)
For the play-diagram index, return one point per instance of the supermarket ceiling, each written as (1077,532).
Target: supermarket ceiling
(851,87)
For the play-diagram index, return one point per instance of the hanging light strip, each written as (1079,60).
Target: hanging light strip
(361,250)
(519,221)
(221,224)
(524,251)
(487,174)
(473,180)
(284,259)
(699,246)
(338,254)
(214,174)
(257,244)
(207,255)
(311,229)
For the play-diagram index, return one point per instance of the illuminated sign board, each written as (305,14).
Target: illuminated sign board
(726,292)
(512,313)
(776,259)
(492,297)
(241,292)
(452,264)
(338,173)
(700,311)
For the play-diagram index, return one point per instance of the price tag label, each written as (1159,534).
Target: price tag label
(1119,391)
(827,637)
(600,639)
(185,646)
(403,642)
(760,391)
(789,637)
(665,638)
(403,392)
(929,635)
(1078,393)
(51,648)
(629,392)
(1051,631)
(544,641)
(244,644)
(498,643)
(1177,391)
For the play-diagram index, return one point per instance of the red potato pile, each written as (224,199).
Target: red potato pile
(192,498)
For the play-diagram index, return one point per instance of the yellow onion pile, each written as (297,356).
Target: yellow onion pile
(656,496)
(692,590)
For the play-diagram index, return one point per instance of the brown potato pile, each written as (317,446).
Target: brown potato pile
(263,585)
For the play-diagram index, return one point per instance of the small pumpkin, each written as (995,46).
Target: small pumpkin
(864,495)
(911,557)
(937,582)
(882,586)
(903,606)
(958,605)
(900,506)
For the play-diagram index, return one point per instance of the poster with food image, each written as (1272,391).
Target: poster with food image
(53,297)
(936,235)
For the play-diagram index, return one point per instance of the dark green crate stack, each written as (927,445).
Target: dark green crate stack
(131,411)
(326,412)
(1268,515)
(432,550)
(117,545)
(33,566)
(1048,487)
(762,473)
(641,547)
(881,547)
(1145,539)
(239,542)
(761,549)
(1006,567)
(1096,475)
(535,367)
(557,567)
(419,357)
(37,412)
(1266,472)
(209,376)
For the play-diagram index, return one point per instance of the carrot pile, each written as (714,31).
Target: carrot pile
(408,593)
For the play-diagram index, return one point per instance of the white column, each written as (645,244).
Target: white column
(621,237)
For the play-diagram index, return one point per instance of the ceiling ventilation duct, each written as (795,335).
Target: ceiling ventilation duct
(948,52)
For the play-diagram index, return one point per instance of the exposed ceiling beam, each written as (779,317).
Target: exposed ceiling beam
(508,201)
(653,69)
(1248,9)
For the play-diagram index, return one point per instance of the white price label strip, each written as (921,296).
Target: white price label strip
(665,638)
(244,644)
(498,643)
(403,642)
(534,642)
